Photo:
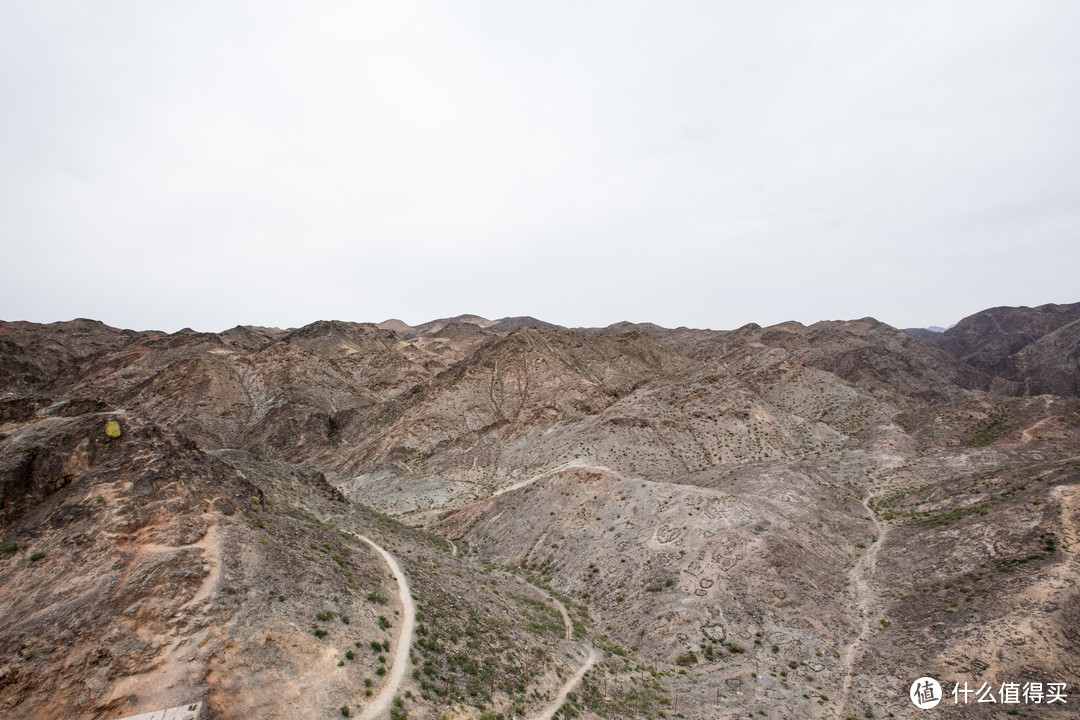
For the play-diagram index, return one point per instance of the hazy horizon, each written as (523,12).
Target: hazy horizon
(701,164)
(943,326)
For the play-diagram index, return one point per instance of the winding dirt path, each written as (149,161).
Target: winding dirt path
(577,462)
(549,710)
(864,597)
(380,704)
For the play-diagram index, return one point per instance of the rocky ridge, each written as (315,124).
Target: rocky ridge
(791,520)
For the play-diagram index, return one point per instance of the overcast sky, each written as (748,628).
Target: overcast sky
(709,164)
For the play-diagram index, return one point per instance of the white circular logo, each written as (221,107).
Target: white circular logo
(925,693)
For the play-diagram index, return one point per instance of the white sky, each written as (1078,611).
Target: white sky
(706,164)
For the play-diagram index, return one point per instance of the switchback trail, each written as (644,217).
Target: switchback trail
(380,704)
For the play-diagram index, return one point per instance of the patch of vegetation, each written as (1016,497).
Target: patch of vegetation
(37,556)
(686,659)
(947,517)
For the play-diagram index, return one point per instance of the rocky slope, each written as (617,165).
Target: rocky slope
(795,521)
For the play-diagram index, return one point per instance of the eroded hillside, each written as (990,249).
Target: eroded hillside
(792,521)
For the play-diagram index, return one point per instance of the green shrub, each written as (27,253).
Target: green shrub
(345,710)
(686,659)
(11,547)
(320,633)
(37,556)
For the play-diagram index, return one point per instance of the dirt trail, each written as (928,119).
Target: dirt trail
(380,704)
(864,598)
(549,710)
(566,620)
(593,655)
(211,546)
(577,462)
(155,684)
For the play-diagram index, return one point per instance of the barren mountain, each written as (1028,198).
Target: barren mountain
(1035,348)
(791,521)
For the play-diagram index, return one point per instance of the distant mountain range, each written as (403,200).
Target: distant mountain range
(793,520)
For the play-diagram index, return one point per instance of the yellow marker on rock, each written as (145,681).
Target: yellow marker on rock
(112,429)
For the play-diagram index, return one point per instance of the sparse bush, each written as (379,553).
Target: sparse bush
(345,710)
(350,654)
(323,616)
(384,623)
(37,556)
(685,659)
(376,597)
(11,547)
(320,633)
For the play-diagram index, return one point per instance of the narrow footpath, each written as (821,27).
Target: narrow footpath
(379,706)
